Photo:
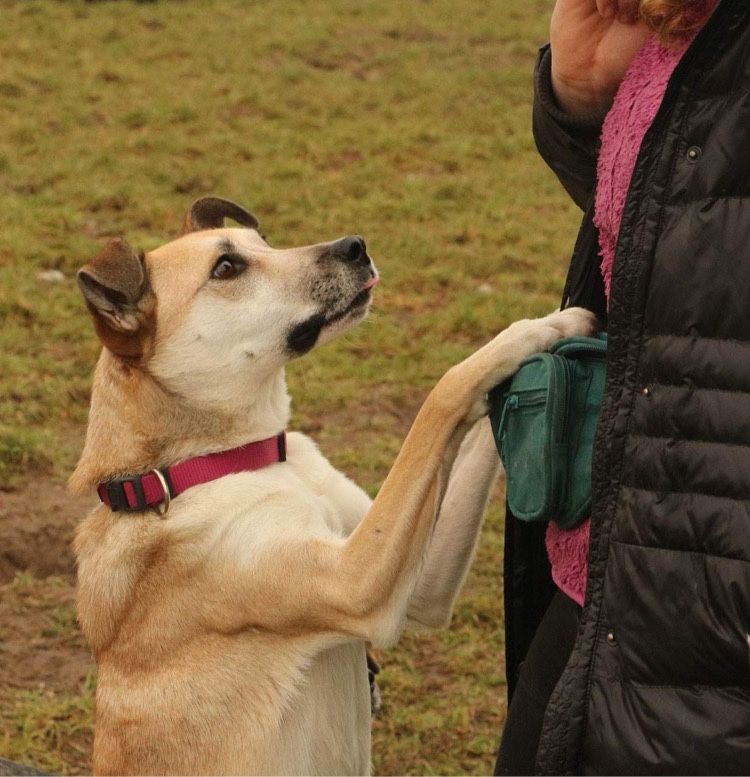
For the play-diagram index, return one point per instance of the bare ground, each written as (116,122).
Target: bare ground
(36,527)
(44,660)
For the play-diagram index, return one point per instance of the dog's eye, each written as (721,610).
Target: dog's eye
(228,266)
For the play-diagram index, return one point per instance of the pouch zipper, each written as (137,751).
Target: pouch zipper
(564,756)
(514,401)
(564,428)
(571,350)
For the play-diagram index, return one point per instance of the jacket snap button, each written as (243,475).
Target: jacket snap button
(611,637)
(646,391)
(694,153)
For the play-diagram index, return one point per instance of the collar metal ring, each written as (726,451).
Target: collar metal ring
(163,507)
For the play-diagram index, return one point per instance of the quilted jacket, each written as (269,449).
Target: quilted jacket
(659,679)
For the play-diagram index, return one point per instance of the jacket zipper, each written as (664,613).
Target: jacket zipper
(603,471)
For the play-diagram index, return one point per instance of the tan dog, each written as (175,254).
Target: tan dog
(230,635)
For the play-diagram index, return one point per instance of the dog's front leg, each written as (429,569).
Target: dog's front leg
(361,585)
(453,543)
(398,526)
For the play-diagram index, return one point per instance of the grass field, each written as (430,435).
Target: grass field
(408,123)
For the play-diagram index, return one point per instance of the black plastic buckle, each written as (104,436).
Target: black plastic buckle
(118,499)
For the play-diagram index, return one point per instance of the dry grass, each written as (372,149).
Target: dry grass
(406,122)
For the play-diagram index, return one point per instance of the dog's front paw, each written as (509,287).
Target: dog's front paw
(540,334)
(502,356)
(572,322)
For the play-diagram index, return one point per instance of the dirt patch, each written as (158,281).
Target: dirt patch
(41,646)
(46,667)
(46,677)
(36,529)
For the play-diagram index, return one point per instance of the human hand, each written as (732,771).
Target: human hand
(593,43)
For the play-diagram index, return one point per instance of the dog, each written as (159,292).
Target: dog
(230,620)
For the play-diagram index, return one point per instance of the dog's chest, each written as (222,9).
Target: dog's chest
(341,503)
(327,729)
(321,500)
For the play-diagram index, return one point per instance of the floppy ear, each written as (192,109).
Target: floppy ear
(117,293)
(210,212)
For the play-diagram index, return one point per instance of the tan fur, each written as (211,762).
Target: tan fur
(230,637)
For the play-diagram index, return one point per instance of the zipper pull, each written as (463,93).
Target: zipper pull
(510,404)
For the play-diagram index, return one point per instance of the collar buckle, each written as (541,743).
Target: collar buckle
(118,496)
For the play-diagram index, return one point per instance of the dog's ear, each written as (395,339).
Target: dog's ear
(117,293)
(210,212)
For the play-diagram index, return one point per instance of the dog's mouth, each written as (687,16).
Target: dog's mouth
(304,336)
(360,301)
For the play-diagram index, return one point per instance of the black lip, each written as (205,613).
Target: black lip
(361,299)
(303,337)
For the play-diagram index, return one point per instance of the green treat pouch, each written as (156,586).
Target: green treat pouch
(544,420)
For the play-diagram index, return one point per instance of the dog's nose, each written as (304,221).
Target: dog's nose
(351,249)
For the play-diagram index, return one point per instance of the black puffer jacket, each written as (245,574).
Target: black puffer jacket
(659,678)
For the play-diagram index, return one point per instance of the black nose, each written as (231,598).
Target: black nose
(351,249)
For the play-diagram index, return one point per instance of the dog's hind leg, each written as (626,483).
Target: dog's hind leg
(453,542)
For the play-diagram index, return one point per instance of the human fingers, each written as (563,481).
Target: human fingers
(627,10)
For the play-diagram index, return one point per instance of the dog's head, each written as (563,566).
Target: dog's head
(219,305)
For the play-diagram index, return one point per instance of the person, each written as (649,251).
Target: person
(628,638)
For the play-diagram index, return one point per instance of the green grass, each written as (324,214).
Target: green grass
(408,123)
(52,728)
(46,696)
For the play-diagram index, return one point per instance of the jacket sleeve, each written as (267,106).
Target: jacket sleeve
(568,144)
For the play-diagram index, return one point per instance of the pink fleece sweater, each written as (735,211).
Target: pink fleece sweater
(632,113)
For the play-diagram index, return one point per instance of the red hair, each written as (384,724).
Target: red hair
(675,20)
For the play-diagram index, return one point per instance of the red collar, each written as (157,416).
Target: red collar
(156,488)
